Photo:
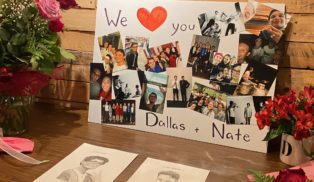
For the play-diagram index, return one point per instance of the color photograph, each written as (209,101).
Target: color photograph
(134,51)
(119,112)
(100,83)
(179,86)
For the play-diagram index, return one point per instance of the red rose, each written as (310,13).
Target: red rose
(56,25)
(49,9)
(67,4)
(291,175)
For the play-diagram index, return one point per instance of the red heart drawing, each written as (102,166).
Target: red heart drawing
(152,20)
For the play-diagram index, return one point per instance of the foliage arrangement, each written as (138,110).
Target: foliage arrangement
(29,45)
(291,114)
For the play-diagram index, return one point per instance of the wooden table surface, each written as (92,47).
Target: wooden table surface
(57,132)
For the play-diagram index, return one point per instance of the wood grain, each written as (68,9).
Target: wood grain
(79,19)
(87,3)
(57,132)
(79,41)
(66,91)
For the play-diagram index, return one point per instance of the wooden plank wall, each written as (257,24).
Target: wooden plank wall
(296,69)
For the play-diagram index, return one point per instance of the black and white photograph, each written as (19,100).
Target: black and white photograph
(256,49)
(164,171)
(221,67)
(161,57)
(126,85)
(221,22)
(118,112)
(179,86)
(240,110)
(155,91)
(134,51)
(208,102)
(89,163)
(112,52)
(201,55)
(256,80)
(100,83)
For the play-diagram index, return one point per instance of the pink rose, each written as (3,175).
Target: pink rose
(49,9)
(67,4)
(291,175)
(56,25)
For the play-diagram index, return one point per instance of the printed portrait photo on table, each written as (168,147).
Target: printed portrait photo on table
(89,163)
(119,112)
(221,22)
(162,57)
(201,55)
(126,84)
(208,102)
(100,83)
(112,53)
(155,92)
(134,51)
(179,86)
(255,81)
(163,171)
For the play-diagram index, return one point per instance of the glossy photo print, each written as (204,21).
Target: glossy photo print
(221,22)
(126,85)
(109,46)
(162,57)
(256,80)
(179,86)
(240,110)
(119,112)
(201,55)
(100,83)
(208,102)
(155,90)
(134,51)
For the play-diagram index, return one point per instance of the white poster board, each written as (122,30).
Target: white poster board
(154,25)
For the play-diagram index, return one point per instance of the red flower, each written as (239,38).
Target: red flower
(49,9)
(299,134)
(5,74)
(56,25)
(67,4)
(291,175)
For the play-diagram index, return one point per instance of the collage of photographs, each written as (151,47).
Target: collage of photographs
(157,78)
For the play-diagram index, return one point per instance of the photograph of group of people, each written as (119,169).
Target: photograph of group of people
(179,86)
(100,83)
(155,89)
(222,22)
(119,112)
(157,74)
(208,102)
(201,55)
(256,80)
(162,57)
(112,52)
(126,84)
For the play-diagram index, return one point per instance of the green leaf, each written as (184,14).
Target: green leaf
(260,177)
(274,133)
(4,35)
(11,49)
(66,54)
(18,39)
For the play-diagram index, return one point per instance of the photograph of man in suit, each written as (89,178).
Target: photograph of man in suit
(183,86)
(132,57)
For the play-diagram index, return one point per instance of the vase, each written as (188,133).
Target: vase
(293,152)
(15,113)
